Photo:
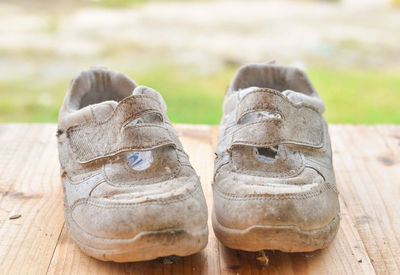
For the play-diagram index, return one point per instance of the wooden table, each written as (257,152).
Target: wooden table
(367,164)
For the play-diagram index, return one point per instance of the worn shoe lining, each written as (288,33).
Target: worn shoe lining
(273,77)
(99,85)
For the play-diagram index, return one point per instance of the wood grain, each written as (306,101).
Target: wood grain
(367,164)
(29,186)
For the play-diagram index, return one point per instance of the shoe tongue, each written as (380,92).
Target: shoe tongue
(104,109)
(271,76)
(315,103)
(143,90)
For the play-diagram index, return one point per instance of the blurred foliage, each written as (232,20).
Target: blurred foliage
(128,3)
(118,3)
(351,96)
(358,96)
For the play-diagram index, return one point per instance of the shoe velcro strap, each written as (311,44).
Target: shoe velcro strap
(292,124)
(95,140)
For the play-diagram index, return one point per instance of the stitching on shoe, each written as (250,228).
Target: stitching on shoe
(115,239)
(136,204)
(308,195)
(80,181)
(282,175)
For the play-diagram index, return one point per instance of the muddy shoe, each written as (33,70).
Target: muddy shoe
(130,191)
(274,185)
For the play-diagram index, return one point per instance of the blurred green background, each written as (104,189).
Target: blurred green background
(190,50)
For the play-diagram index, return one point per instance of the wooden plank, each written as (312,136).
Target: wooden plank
(29,186)
(367,161)
(197,143)
(367,164)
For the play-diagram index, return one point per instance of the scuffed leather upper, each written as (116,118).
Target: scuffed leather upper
(106,124)
(273,159)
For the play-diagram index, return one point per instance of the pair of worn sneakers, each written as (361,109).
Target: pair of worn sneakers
(131,193)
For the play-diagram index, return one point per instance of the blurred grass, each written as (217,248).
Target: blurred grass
(351,96)
(118,3)
(358,96)
(126,3)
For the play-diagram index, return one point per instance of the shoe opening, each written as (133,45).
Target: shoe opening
(98,85)
(271,76)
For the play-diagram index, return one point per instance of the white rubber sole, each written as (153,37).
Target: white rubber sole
(144,246)
(283,238)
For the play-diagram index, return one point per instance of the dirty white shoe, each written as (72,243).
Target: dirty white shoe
(274,185)
(130,191)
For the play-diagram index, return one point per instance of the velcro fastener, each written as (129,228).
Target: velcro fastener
(297,124)
(94,140)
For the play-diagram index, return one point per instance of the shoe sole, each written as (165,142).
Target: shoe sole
(283,238)
(146,245)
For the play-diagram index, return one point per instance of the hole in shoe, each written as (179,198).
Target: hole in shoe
(267,154)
